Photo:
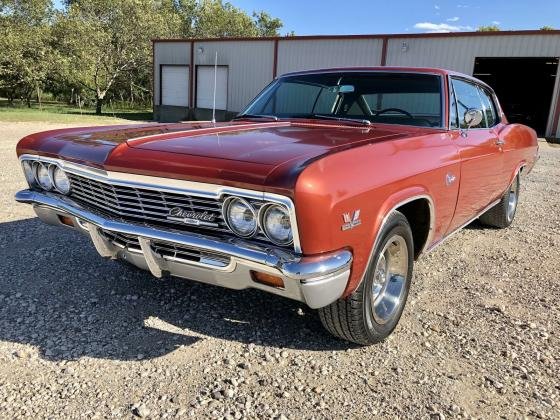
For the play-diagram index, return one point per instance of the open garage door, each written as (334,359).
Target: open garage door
(205,87)
(175,85)
(524,87)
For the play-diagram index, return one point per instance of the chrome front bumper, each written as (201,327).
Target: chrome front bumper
(316,280)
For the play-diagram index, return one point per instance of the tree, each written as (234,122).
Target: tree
(547,28)
(101,41)
(101,49)
(27,57)
(488,28)
(266,24)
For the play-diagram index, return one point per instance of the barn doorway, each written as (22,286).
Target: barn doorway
(524,87)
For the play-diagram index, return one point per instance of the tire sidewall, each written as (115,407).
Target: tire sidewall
(396,225)
(506,200)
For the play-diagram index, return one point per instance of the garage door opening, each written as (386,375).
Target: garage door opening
(523,85)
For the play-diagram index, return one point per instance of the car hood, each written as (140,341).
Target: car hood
(263,143)
(238,153)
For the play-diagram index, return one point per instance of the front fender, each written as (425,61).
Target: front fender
(372,180)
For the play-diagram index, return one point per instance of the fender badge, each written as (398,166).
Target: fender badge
(351,221)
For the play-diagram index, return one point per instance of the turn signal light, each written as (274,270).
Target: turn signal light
(66,220)
(267,279)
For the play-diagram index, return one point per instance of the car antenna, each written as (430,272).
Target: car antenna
(215,81)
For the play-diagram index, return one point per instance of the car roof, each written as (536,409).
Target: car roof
(392,69)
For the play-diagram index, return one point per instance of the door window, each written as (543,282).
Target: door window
(468,97)
(489,108)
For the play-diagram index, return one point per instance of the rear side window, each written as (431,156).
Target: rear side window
(489,109)
(467,96)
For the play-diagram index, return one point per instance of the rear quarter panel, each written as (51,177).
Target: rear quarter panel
(373,179)
(520,150)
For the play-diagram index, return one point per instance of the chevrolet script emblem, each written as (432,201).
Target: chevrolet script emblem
(351,221)
(193,218)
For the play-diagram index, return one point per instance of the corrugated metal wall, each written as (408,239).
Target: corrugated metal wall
(168,53)
(458,53)
(250,66)
(297,54)
(251,62)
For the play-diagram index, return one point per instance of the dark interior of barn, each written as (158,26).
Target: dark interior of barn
(524,87)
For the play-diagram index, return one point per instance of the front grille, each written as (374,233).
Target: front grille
(151,207)
(168,251)
(144,205)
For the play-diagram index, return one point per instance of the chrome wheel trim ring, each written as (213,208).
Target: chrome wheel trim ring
(512,200)
(389,279)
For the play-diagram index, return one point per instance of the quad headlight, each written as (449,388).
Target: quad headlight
(276,224)
(60,180)
(47,176)
(28,172)
(271,220)
(42,176)
(240,216)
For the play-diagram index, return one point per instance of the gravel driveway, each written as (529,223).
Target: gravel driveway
(84,337)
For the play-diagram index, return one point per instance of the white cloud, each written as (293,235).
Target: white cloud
(496,22)
(462,6)
(436,6)
(453,19)
(440,27)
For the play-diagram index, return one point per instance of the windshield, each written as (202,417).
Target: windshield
(388,98)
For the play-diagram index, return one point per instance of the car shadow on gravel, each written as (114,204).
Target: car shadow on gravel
(59,295)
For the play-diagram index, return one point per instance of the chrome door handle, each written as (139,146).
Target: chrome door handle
(500,142)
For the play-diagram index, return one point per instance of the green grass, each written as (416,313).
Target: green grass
(61,113)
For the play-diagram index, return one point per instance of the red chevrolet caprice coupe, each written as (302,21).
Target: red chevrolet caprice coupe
(324,190)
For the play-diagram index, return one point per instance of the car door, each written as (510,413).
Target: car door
(479,150)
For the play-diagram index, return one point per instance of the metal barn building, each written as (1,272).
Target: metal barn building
(521,66)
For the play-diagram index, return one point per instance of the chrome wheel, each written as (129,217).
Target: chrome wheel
(512,199)
(389,279)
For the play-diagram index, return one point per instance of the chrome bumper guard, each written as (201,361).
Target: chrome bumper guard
(316,280)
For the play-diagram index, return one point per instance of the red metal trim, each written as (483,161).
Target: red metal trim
(370,36)
(191,78)
(384,51)
(275,63)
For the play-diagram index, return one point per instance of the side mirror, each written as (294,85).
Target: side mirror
(473,117)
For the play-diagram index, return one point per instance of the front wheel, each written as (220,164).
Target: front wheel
(372,312)
(502,214)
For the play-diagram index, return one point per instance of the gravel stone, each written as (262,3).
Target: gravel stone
(84,337)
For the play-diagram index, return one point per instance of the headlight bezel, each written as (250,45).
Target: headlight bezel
(225,213)
(264,211)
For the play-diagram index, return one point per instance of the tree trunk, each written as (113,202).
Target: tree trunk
(98,104)
(39,97)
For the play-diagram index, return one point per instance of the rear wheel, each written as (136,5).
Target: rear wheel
(503,213)
(372,312)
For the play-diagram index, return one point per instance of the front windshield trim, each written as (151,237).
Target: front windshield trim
(443,124)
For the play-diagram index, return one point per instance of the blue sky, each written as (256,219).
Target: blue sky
(315,17)
(311,17)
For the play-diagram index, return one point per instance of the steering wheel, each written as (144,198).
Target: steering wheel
(401,111)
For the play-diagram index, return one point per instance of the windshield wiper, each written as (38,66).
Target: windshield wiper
(242,116)
(330,117)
